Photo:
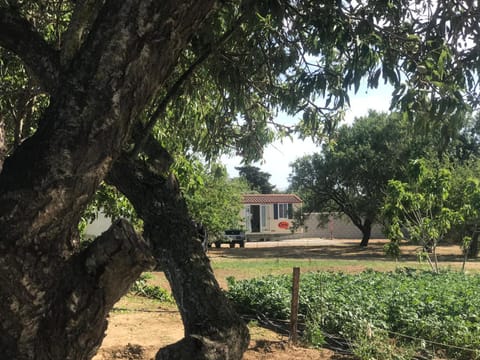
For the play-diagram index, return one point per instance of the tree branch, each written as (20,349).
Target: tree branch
(62,301)
(115,260)
(19,36)
(93,282)
(174,90)
(83,16)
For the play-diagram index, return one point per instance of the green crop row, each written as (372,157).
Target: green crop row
(382,315)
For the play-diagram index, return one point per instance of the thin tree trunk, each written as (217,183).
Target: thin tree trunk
(465,258)
(365,227)
(474,247)
(435,257)
(429,260)
(213,330)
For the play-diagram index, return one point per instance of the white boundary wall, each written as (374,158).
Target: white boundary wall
(338,227)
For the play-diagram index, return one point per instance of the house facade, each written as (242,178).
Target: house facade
(269,214)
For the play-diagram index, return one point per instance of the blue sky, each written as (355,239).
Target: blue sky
(280,154)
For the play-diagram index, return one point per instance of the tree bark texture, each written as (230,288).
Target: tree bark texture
(53,298)
(3,144)
(366,229)
(212,328)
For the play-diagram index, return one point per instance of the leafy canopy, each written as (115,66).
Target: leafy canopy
(257,180)
(429,204)
(351,173)
(213,199)
(253,58)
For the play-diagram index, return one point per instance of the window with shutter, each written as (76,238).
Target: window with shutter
(282,211)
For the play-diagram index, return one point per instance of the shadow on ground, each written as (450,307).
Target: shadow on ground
(333,250)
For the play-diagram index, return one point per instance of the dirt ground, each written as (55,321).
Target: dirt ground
(136,334)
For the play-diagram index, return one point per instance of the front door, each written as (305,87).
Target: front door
(255,218)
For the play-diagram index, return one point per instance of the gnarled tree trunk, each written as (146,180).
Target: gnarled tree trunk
(54,298)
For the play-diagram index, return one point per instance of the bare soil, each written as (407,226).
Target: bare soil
(139,327)
(138,336)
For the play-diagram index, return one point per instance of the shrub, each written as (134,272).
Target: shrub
(142,288)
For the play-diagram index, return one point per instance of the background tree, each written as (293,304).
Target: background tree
(258,180)
(457,156)
(351,173)
(215,200)
(466,146)
(463,198)
(421,207)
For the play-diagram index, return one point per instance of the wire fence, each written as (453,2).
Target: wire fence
(341,344)
(431,342)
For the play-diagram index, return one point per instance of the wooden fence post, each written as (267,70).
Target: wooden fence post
(294,305)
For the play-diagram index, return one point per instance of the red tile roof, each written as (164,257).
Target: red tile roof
(271,199)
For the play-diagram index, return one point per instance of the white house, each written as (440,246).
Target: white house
(269,214)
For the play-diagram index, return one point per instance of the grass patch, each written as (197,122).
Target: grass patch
(250,268)
(132,303)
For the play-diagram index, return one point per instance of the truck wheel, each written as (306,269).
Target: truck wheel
(218,244)
(232,245)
